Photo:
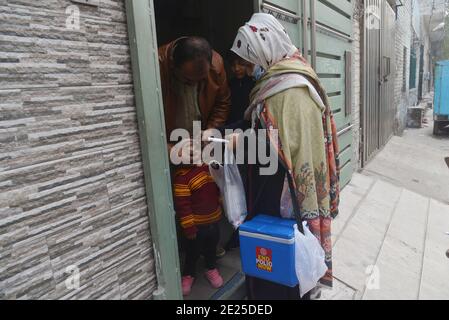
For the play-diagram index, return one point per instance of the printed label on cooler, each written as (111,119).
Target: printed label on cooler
(264,259)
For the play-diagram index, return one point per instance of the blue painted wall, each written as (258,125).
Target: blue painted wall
(441,103)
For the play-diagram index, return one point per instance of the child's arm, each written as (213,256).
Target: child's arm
(183,206)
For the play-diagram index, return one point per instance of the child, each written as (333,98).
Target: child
(199,211)
(241,85)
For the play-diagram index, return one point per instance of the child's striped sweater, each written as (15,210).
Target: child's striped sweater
(196,198)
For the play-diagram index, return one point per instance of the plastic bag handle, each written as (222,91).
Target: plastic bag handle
(295,204)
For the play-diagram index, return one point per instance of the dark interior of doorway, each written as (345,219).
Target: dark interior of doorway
(218,22)
(215,20)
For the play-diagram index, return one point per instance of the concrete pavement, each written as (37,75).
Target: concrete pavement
(390,238)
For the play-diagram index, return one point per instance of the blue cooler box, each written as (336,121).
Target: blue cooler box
(267,249)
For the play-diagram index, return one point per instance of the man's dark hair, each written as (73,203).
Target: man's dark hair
(191,48)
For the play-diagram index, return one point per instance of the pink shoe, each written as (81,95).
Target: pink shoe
(214,278)
(186,284)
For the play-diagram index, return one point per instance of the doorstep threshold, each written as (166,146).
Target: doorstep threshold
(234,289)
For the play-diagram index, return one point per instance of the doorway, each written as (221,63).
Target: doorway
(218,22)
(379,65)
(215,20)
(421,74)
(321,29)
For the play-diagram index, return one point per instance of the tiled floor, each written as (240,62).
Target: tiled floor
(229,266)
(390,237)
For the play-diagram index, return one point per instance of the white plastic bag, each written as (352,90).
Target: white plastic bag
(230,182)
(309,260)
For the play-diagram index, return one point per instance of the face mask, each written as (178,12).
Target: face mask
(258,72)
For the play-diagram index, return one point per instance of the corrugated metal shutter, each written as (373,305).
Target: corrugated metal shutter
(378,65)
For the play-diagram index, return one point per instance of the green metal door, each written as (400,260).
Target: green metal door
(413,62)
(150,114)
(323,29)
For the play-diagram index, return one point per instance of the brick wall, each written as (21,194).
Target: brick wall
(356,101)
(71,178)
(416,36)
(403,40)
(425,39)
(416,47)
(445,46)
(427,83)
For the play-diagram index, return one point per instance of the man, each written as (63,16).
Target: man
(194,85)
(194,88)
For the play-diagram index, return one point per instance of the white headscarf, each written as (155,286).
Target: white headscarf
(263,41)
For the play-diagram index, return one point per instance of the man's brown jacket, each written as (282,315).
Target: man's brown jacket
(214,95)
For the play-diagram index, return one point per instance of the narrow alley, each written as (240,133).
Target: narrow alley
(391,237)
(114,115)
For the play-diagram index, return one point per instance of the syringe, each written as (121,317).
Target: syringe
(211,139)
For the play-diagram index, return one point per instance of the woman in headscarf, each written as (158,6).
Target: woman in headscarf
(288,97)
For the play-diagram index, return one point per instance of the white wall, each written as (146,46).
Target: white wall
(356,101)
(403,39)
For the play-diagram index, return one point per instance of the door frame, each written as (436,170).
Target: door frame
(151,122)
(143,45)
(156,167)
